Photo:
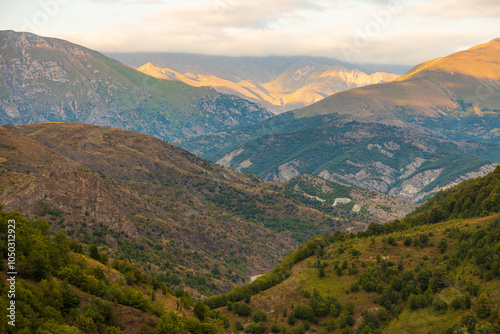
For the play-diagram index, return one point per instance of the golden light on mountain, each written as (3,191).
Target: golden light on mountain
(481,61)
(301,84)
(462,82)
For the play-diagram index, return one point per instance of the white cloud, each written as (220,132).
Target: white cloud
(420,31)
(233,13)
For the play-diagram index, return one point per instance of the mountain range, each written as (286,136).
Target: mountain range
(456,96)
(429,129)
(278,83)
(47,79)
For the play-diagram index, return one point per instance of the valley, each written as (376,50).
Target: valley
(159,206)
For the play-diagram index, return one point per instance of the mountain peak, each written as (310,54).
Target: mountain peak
(46,79)
(482,61)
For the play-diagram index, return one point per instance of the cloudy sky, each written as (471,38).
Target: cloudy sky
(369,31)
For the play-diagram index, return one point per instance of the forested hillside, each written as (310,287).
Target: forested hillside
(435,271)
(66,287)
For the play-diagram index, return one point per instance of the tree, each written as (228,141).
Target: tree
(442,245)
(94,252)
(169,324)
(200,310)
(69,298)
(424,239)
(469,321)
(391,241)
(38,261)
(238,325)
(388,298)
(482,307)
(321,270)
(244,310)
(259,316)
(407,241)
(415,302)
(50,293)
(423,278)
(355,252)
(439,306)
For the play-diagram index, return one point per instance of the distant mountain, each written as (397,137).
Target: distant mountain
(385,158)
(47,79)
(457,96)
(278,83)
(435,126)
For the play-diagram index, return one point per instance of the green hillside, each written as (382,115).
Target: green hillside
(398,161)
(431,272)
(66,287)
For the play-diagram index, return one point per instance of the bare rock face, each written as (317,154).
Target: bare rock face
(225,161)
(378,177)
(82,194)
(483,170)
(411,188)
(286,171)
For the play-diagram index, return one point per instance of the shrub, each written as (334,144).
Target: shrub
(442,245)
(439,306)
(259,316)
(407,241)
(304,312)
(391,241)
(457,302)
(238,325)
(424,239)
(243,310)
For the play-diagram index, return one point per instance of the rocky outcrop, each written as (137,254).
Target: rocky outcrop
(381,178)
(411,188)
(225,161)
(341,201)
(286,171)
(483,170)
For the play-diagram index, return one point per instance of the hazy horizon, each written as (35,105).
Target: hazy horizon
(363,31)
